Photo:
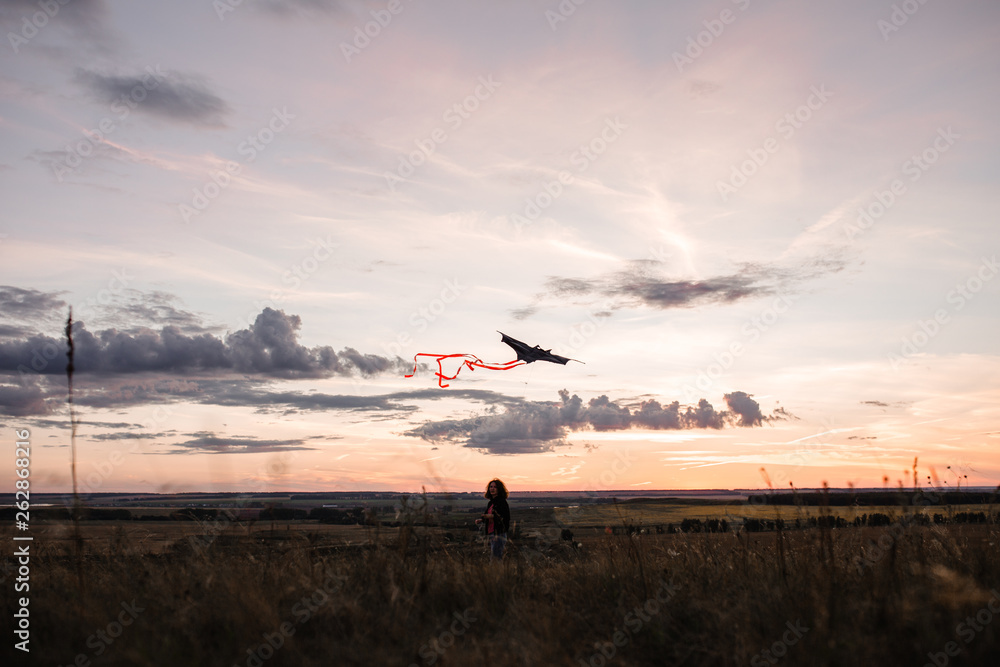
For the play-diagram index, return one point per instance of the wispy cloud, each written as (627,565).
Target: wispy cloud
(641,284)
(27,310)
(205,442)
(174,96)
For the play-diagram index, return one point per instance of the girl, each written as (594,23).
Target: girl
(496,516)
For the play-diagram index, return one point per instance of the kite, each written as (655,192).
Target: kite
(525,355)
(529,354)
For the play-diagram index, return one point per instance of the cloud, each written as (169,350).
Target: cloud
(637,285)
(208,443)
(134,310)
(571,286)
(60,423)
(884,405)
(76,31)
(698,88)
(745,409)
(268,347)
(641,285)
(523,313)
(83,15)
(19,400)
(126,435)
(241,394)
(13,9)
(182,362)
(238,393)
(13,331)
(298,7)
(28,303)
(118,307)
(171,95)
(539,426)
(27,310)
(46,395)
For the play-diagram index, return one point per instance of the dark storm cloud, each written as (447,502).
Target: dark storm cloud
(268,347)
(539,426)
(170,95)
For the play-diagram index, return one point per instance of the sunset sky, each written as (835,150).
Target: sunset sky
(781,216)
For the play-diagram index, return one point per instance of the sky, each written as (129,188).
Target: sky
(767,230)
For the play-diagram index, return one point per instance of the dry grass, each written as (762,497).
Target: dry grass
(552,604)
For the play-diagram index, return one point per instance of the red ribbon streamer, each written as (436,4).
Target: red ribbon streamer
(470,361)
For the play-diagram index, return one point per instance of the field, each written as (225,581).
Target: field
(664,513)
(303,593)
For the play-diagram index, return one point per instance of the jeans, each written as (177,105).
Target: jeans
(497,543)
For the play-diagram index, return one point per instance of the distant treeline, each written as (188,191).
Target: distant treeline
(868,498)
(754,525)
(64,514)
(350,517)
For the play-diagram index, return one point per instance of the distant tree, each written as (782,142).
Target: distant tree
(193,514)
(282,514)
(879,519)
(691,526)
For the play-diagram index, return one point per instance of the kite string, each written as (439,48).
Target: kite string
(470,361)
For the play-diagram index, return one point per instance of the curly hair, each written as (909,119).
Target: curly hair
(501,489)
